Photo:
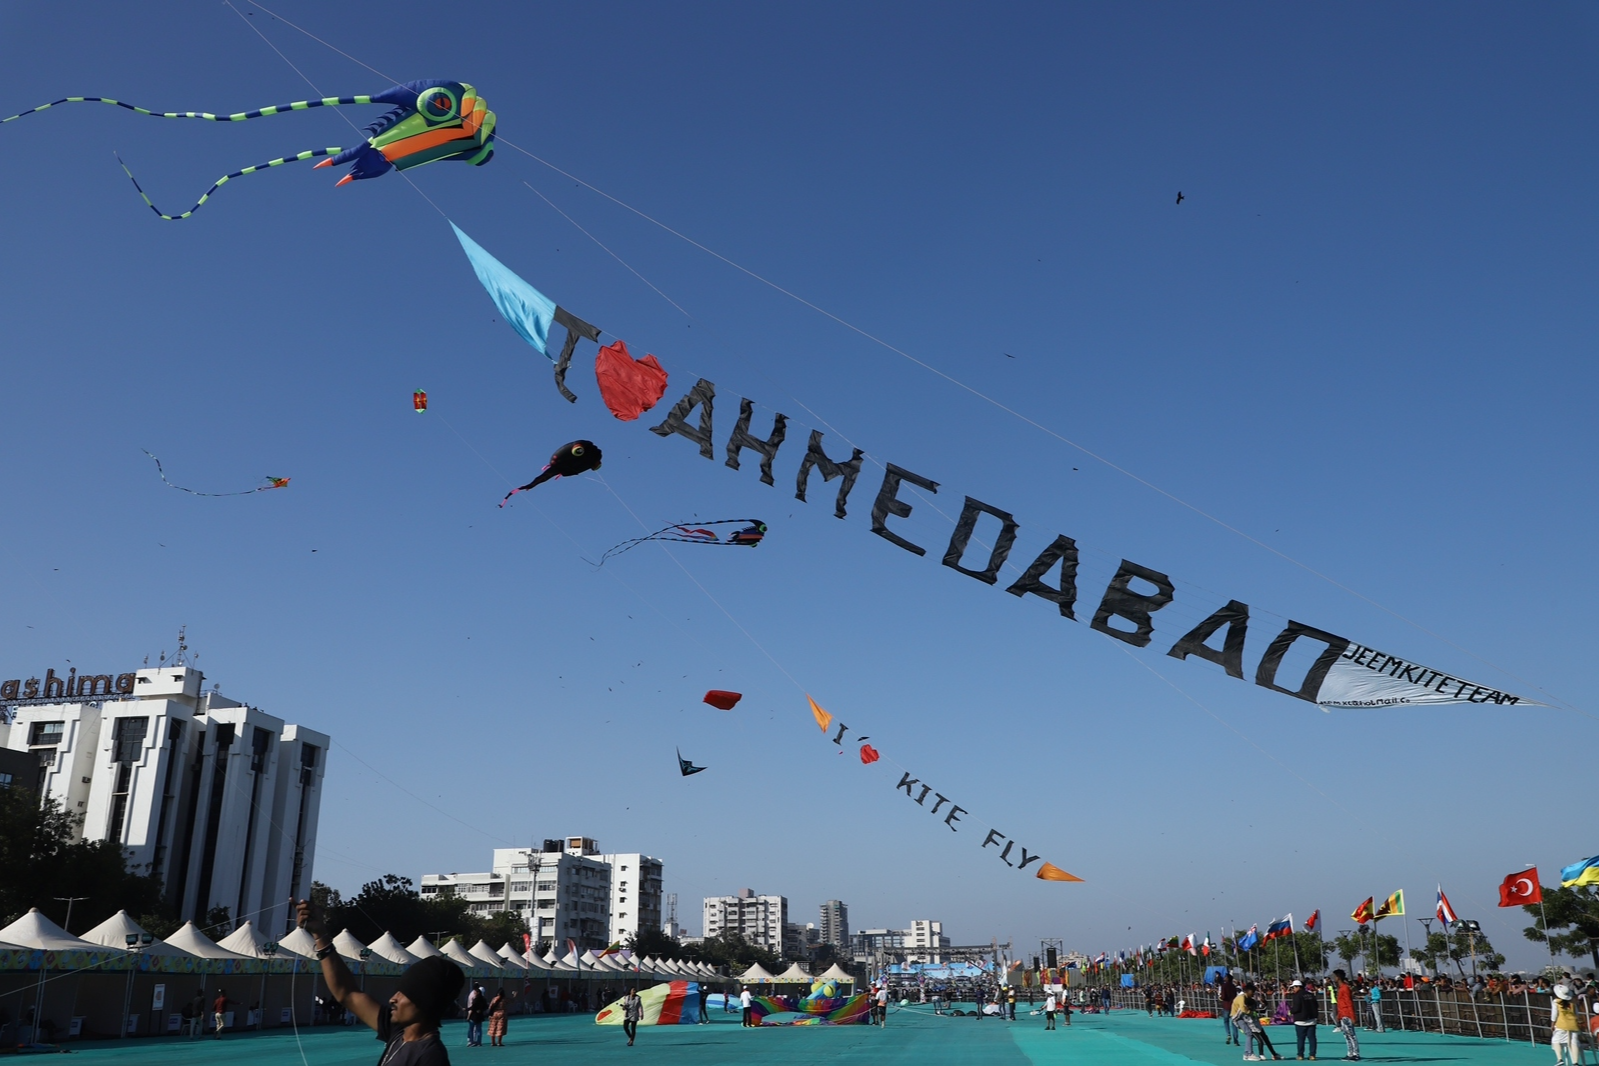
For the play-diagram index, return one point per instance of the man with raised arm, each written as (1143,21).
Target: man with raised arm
(408,1024)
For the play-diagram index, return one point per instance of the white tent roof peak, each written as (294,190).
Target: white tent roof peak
(486,955)
(347,945)
(34,930)
(794,974)
(115,930)
(386,947)
(837,973)
(755,973)
(246,940)
(194,942)
(422,947)
(302,943)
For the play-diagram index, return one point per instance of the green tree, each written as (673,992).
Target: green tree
(653,942)
(732,950)
(40,858)
(1573,909)
(498,929)
(1460,947)
(1358,944)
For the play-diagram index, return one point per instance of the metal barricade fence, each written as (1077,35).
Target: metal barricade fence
(1521,1018)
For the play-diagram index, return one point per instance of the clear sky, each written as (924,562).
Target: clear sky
(1365,337)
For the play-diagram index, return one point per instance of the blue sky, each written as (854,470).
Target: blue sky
(1365,338)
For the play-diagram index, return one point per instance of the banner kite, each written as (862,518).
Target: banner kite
(272,483)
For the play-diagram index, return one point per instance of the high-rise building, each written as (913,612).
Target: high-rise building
(834,927)
(924,941)
(565,890)
(759,919)
(218,799)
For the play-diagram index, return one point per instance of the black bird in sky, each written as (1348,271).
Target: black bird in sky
(1179,196)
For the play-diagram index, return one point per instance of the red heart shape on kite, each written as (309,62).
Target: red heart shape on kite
(869,754)
(628,386)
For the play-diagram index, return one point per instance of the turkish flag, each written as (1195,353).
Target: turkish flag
(1518,890)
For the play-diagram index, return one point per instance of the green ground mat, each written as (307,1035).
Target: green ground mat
(913,1035)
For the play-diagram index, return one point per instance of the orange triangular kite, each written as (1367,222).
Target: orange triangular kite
(1050,872)
(823,719)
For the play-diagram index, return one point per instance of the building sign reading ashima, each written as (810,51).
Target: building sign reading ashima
(71,687)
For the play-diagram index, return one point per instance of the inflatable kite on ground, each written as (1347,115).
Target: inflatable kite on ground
(419,400)
(686,768)
(810,1010)
(272,483)
(690,533)
(628,386)
(723,700)
(430,121)
(569,459)
(676,1003)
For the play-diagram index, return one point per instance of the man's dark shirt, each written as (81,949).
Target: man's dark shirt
(397,1051)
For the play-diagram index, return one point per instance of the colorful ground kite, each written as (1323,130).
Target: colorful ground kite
(272,482)
(687,768)
(431,120)
(419,400)
(810,1010)
(722,699)
(568,460)
(628,386)
(695,533)
(675,1003)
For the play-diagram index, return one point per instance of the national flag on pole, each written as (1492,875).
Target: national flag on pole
(1392,907)
(1585,872)
(1520,890)
(1313,921)
(616,945)
(1362,913)
(571,946)
(1204,949)
(1281,927)
(1189,944)
(1248,941)
(1445,912)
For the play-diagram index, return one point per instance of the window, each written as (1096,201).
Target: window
(5,780)
(46,732)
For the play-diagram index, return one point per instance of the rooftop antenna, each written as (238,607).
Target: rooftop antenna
(183,647)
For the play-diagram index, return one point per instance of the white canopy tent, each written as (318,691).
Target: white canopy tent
(386,947)
(300,942)
(115,930)
(34,930)
(349,947)
(422,948)
(795,974)
(196,943)
(487,956)
(461,957)
(837,973)
(756,974)
(247,941)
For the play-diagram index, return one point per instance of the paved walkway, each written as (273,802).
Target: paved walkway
(914,1035)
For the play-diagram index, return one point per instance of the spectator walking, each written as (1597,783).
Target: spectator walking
(1228,992)
(1010,1004)
(1344,1015)
(477,1008)
(1376,1006)
(705,995)
(632,1011)
(1564,1028)
(194,1014)
(1302,1005)
(498,1020)
(219,1011)
(1049,1010)
(408,1024)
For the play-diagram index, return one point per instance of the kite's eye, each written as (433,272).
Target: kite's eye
(437,105)
(577,449)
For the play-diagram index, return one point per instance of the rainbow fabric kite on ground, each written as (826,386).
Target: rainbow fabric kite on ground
(810,1010)
(677,1003)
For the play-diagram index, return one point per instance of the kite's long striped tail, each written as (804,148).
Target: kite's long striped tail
(312,154)
(241,116)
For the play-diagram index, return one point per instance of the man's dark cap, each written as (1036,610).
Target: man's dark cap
(432,984)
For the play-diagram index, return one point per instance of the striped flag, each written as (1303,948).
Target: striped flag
(1446,913)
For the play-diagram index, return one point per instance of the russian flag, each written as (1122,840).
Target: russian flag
(1281,927)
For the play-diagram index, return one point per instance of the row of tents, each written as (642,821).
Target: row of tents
(118,977)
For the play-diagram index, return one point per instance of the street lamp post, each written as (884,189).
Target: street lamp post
(270,950)
(69,901)
(136,945)
(366,955)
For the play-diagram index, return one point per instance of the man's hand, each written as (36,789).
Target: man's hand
(311,921)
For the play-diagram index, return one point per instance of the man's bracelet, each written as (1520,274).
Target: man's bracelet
(323,953)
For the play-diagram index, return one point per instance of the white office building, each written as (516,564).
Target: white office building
(924,941)
(566,890)
(217,798)
(834,928)
(759,919)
